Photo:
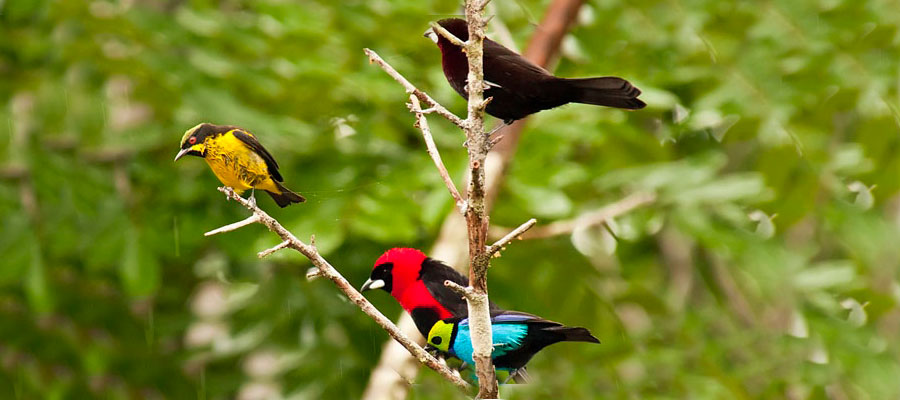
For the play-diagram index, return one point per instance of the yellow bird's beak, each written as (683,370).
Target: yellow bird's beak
(183,152)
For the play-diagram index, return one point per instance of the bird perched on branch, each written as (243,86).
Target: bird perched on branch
(517,337)
(518,87)
(417,283)
(238,160)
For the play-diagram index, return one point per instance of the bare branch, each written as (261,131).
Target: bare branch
(265,253)
(500,244)
(447,35)
(439,109)
(477,220)
(422,124)
(325,269)
(230,227)
(603,215)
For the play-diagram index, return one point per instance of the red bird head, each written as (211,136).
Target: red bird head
(417,283)
(395,271)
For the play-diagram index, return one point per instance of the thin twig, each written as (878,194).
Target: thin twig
(230,227)
(465,291)
(411,89)
(325,269)
(269,251)
(313,273)
(422,124)
(498,245)
(447,35)
(603,215)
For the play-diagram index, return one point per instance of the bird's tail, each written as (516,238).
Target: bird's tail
(286,197)
(607,91)
(574,334)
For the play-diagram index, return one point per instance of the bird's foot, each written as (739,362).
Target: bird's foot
(495,140)
(497,128)
(252,198)
(512,374)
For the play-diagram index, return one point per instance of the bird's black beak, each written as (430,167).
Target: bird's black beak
(372,285)
(182,153)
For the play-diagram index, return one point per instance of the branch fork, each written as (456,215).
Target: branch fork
(411,89)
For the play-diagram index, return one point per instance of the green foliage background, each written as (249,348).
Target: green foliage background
(768,267)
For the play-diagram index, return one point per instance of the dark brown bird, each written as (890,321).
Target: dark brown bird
(519,87)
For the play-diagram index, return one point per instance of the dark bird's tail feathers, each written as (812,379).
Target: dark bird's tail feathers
(607,91)
(573,334)
(286,197)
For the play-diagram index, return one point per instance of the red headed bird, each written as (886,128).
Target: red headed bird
(518,86)
(417,283)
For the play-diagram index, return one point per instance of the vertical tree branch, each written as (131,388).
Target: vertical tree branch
(476,212)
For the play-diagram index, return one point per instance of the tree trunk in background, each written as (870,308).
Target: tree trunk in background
(396,369)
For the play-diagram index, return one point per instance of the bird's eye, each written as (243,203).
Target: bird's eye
(436,340)
(192,140)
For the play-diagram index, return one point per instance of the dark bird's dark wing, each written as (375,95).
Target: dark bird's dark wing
(497,54)
(522,87)
(258,148)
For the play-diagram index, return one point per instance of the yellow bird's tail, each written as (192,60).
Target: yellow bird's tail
(286,197)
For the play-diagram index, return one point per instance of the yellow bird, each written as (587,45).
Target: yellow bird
(238,160)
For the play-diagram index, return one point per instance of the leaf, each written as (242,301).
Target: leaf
(825,275)
(542,201)
(139,272)
(37,288)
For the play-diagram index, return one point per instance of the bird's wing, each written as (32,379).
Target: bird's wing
(512,62)
(258,148)
(508,337)
(507,334)
(513,316)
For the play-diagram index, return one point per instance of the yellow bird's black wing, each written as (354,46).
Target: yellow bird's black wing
(258,148)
